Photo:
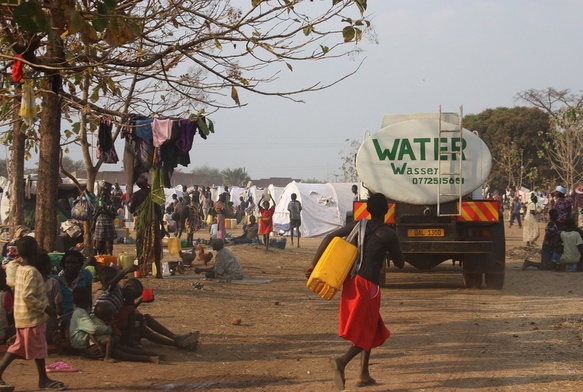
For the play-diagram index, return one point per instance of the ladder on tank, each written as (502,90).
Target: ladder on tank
(453,173)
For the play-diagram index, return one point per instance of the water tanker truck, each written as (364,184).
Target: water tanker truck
(432,170)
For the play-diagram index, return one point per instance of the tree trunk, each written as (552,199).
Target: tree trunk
(16,172)
(46,229)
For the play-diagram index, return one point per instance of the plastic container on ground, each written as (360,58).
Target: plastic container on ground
(125,260)
(173,245)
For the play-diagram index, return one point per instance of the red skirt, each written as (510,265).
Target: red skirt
(360,321)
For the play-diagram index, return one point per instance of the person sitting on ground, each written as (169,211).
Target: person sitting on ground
(91,336)
(73,275)
(103,315)
(250,232)
(82,325)
(132,325)
(549,243)
(572,246)
(110,290)
(226,266)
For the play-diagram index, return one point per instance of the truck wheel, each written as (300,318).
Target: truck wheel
(472,280)
(495,281)
(494,276)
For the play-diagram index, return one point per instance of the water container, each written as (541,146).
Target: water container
(148,295)
(173,245)
(125,260)
(233,223)
(228,224)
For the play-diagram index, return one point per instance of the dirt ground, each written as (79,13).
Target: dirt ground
(526,337)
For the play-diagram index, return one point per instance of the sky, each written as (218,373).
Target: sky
(475,54)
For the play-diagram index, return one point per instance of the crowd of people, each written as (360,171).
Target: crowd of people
(39,308)
(562,211)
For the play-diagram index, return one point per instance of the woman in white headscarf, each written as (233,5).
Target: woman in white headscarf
(530,229)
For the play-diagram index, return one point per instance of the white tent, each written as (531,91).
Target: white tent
(255,193)
(324,207)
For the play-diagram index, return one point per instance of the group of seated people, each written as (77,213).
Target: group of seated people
(107,326)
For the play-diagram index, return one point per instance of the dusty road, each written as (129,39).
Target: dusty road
(526,337)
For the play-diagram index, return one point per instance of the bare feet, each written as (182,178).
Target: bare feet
(155,359)
(365,381)
(338,368)
(525,265)
(110,360)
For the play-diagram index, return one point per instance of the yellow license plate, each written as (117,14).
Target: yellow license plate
(425,233)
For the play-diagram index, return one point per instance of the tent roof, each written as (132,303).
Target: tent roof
(324,207)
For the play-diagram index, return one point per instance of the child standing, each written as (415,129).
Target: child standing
(219,208)
(266,223)
(31,310)
(295,217)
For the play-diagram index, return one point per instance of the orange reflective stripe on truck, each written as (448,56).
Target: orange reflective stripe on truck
(360,212)
(479,211)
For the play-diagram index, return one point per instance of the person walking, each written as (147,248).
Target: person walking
(530,232)
(515,212)
(295,219)
(360,321)
(104,233)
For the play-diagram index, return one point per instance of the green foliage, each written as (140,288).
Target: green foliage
(514,137)
(31,17)
(313,180)
(235,177)
(71,165)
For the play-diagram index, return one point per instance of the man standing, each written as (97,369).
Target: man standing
(295,219)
